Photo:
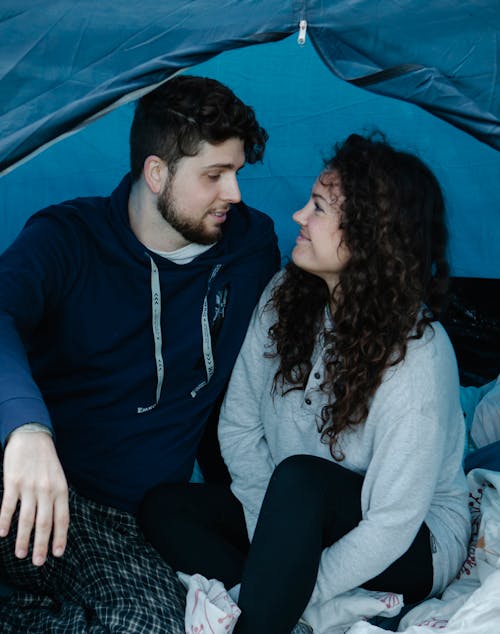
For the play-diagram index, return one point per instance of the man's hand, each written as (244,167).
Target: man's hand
(34,476)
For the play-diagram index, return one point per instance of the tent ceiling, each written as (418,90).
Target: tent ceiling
(65,62)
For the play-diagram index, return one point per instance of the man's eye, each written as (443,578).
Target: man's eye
(213,177)
(318,209)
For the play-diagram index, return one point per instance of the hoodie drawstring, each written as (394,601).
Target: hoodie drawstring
(207,340)
(157,335)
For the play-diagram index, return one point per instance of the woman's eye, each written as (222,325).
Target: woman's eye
(317,209)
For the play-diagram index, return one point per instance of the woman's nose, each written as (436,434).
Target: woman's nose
(300,216)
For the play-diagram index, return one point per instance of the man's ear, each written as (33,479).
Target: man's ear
(155,173)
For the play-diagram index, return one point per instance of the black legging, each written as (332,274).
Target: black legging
(310,503)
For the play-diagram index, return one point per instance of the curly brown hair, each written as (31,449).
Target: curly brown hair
(392,287)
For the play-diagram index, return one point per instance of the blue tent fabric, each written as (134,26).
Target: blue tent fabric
(306,109)
(65,62)
(437,55)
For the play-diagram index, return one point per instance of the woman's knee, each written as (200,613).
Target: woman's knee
(311,476)
(296,473)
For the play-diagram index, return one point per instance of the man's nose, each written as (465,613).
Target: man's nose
(231,190)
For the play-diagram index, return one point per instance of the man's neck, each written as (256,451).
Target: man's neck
(147,223)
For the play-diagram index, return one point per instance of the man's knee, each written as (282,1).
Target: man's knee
(162,500)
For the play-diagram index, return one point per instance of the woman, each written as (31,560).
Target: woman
(341,427)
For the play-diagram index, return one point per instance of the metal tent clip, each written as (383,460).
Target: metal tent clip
(301,39)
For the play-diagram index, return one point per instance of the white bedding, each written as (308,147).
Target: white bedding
(471,604)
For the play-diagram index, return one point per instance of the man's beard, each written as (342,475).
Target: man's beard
(190,230)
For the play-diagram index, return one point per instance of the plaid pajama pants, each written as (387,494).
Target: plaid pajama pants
(109,580)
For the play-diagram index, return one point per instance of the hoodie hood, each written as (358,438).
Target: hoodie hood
(246,233)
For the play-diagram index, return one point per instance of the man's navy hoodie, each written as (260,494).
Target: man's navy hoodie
(121,352)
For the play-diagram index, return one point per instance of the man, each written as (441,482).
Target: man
(121,317)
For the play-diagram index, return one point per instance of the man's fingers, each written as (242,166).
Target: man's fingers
(42,515)
(9,505)
(43,529)
(61,524)
(34,475)
(25,525)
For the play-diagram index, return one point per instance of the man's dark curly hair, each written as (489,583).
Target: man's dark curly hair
(392,287)
(174,120)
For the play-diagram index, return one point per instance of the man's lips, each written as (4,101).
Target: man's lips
(219,215)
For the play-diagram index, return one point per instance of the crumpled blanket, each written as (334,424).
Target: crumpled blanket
(109,580)
(337,615)
(471,603)
(211,609)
